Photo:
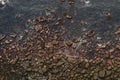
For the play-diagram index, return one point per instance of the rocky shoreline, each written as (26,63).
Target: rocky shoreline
(42,52)
(45,55)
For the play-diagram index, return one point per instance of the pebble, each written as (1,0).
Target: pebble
(13,35)
(75,40)
(83,71)
(108,16)
(99,38)
(2,37)
(7,41)
(68,16)
(55,42)
(111,50)
(118,31)
(101,74)
(71,1)
(108,73)
(90,33)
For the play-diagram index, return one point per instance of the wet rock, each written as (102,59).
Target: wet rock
(118,78)
(38,27)
(102,74)
(101,46)
(68,16)
(107,56)
(2,36)
(87,65)
(0,56)
(69,43)
(48,45)
(84,41)
(14,61)
(95,77)
(57,23)
(55,42)
(30,21)
(28,69)
(44,69)
(118,31)
(108,15)
(60,63)
(50,76)
(13,47)
(99,38)
(111,50)
(83,71)
(118,46)
(109,68)
(13,35)
(40,19)
(20,37)
(90,33)
(108,73)
(55,71)
(71,1)
(84,23)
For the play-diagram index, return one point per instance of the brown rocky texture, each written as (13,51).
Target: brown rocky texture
(37,59)
(44,55)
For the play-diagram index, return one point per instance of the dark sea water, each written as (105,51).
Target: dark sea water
(15,13)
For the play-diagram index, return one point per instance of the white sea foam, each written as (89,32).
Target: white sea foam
(87,3)
(3,3)
(83,3)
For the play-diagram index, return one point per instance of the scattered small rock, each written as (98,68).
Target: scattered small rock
(7,41)
(75,40)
